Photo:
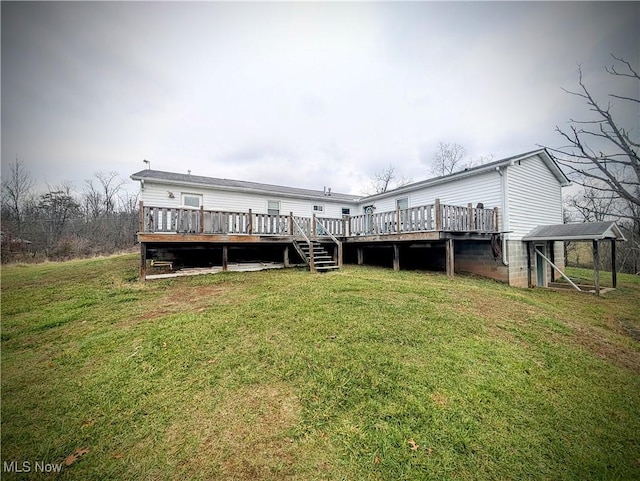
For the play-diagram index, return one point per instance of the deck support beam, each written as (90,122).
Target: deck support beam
(225,258)
(360,252)
(396,257)
(143,261)
(286,261)
(449,257)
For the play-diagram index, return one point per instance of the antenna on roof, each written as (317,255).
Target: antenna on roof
(148,162)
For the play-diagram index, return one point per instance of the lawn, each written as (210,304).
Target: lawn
(360,374)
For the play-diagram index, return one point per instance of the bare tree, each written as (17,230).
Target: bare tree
(601,154)
(16,187)
(385,180)
(449,158)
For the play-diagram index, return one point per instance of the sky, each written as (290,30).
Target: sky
(298,94)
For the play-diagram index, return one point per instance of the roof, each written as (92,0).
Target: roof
(240,185)
(584,231)
(282,191)
(542,153)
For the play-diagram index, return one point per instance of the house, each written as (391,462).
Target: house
(471,221)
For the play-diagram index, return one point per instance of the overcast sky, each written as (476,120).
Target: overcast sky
(300,94)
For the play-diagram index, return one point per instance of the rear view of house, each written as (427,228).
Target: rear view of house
(471,221)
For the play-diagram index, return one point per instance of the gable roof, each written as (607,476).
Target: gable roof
(584,231)
(283,191)
(189,180)
(480,169)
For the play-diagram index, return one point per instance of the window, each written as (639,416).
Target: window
(346,211)
(273,207)
(318,208)
(402,203)
(192,200)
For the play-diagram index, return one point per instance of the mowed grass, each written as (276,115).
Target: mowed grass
(361,374)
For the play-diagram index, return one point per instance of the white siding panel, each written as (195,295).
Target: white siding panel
(534,196)
(485,188)
(157,195)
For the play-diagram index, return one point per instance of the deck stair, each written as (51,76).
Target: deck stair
(321,260)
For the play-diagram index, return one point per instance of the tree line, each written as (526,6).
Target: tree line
(61,224)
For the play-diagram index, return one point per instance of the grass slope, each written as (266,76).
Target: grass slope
(363,373)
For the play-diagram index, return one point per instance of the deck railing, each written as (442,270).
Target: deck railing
(425,218)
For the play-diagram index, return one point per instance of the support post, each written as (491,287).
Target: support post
(340,254)
(314,227)
(530,253)
(225,258)
(449,257)
(143,261)
(398,228)
(250,223)
(495,220)
(286,257)
(438,213)
(614,273)
(552,257)
(141,217)
(291,223)
(596,267)
(470,226)
(201,227)
(360,251)
(396,257)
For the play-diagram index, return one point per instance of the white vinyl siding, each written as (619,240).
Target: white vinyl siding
(535,197)
(483,188)
(157,195)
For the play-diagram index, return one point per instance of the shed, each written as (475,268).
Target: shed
(587,231)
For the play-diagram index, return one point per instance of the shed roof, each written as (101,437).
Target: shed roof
(584,231)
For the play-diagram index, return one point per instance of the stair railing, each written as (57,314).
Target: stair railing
(297,229)
(333,238)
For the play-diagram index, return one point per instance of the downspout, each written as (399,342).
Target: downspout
(505,213)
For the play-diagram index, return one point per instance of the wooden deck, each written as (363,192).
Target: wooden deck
(182,225)
(318,240)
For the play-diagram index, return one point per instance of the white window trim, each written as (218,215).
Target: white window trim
(279,206)
(189,194)
(318,208)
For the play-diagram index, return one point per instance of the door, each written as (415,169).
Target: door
(541,271)
(368,219)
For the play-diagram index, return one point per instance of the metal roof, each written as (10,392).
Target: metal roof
(584,231)
(241,185)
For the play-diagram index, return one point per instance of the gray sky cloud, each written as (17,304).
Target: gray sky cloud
(294,93)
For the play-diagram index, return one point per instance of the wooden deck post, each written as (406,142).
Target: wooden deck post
(552,258)
(438,213)
(449,257)
(495,220)
(141,217)
(396,257)
(314,228)
(250,223)
(201,229)
(470,225)
(360,252)
(290,223)
(614,274)
(596,267)
(530,253)
(286,257)
(398,228)
(143,261)
(225,257)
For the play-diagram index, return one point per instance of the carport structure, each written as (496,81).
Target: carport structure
(543,237)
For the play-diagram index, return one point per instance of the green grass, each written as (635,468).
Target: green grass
(365,373)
